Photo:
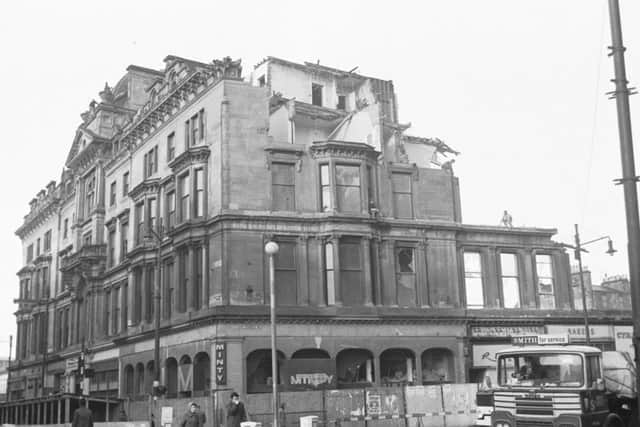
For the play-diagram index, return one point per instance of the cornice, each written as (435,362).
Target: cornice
(34,220)
(343,149)
(148,187)
(124,215)
(193,156)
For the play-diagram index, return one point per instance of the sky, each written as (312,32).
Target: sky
(518,87)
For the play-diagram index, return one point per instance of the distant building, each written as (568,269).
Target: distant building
(614,293)
(576,288)
(4,365)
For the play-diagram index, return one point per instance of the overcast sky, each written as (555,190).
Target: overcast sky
(516,86)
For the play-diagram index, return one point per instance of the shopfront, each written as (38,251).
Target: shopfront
(601,336)
(486,341)
(624,339)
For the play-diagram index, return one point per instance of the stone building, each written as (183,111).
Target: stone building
(195,168)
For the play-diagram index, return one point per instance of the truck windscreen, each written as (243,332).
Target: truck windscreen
(541,369)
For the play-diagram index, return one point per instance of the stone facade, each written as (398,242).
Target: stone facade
(195,168)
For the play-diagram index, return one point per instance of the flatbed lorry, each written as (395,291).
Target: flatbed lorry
(561,385)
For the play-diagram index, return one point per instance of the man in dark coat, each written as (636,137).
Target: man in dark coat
(82,417)
(236,413)
(192,418)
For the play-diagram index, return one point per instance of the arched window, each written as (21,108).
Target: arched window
(171,377)
(259,379)
(397,367)
(354,367)
(437,366)
(128,380)
(149,377)
(185,376)
(139,379)
(201,374)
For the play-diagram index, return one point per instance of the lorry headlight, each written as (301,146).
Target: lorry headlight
(502,424)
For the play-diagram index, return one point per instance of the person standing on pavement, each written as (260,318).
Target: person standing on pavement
(236,412)
(192,418)
(82,417)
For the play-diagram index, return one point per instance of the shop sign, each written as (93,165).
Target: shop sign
(624,339)
(597,332)
(166,417)
(221,363)
(484,355)
(310,374)
(504,331)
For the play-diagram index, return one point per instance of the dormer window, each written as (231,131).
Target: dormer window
(316,94)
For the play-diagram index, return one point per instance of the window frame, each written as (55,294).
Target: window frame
(473,275)
(112,193)
(538,277)
(402,246)
(276,186)
(171,146)
(410,176)
(503,276)
(125,184)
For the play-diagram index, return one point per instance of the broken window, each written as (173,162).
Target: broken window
(259,375)
(316,94)
(544,272)
(283,186)
(325,189)
(354,367)
(342,102)
(397,367)
(437,366)
(402,197)
(406,276)
(510,280)
(473,280)
(348,188)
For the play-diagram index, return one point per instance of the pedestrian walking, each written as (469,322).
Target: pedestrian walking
(236,412)
(82,417)
(192,418)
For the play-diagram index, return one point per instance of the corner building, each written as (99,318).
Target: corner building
(376,271)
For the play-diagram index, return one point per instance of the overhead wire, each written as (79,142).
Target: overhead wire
(594,121)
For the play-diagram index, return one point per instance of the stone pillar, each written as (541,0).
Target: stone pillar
(205,269)
(335,240)
(143,293)
(368,291)
(190,279)
(67,409)
(422,281)
(130,296)
(377,377)
(303,273)
(59,411)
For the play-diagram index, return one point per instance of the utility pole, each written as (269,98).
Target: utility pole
(578,255)
(629,178)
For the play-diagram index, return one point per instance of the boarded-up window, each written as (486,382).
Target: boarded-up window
(402,200)
(473,280)
(286,274)
(351,272)
(283,186)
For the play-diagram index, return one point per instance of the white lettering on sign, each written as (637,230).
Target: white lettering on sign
(505,331)
(221,363)
(311,379)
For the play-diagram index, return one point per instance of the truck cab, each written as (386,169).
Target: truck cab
(544,384)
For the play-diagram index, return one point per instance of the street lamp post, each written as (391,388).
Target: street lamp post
(157,236)
(271,248)
(578,256)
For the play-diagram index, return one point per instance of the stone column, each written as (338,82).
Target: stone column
(190,279)
(143,294)
(130,295)
(303,270)
(368,291)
